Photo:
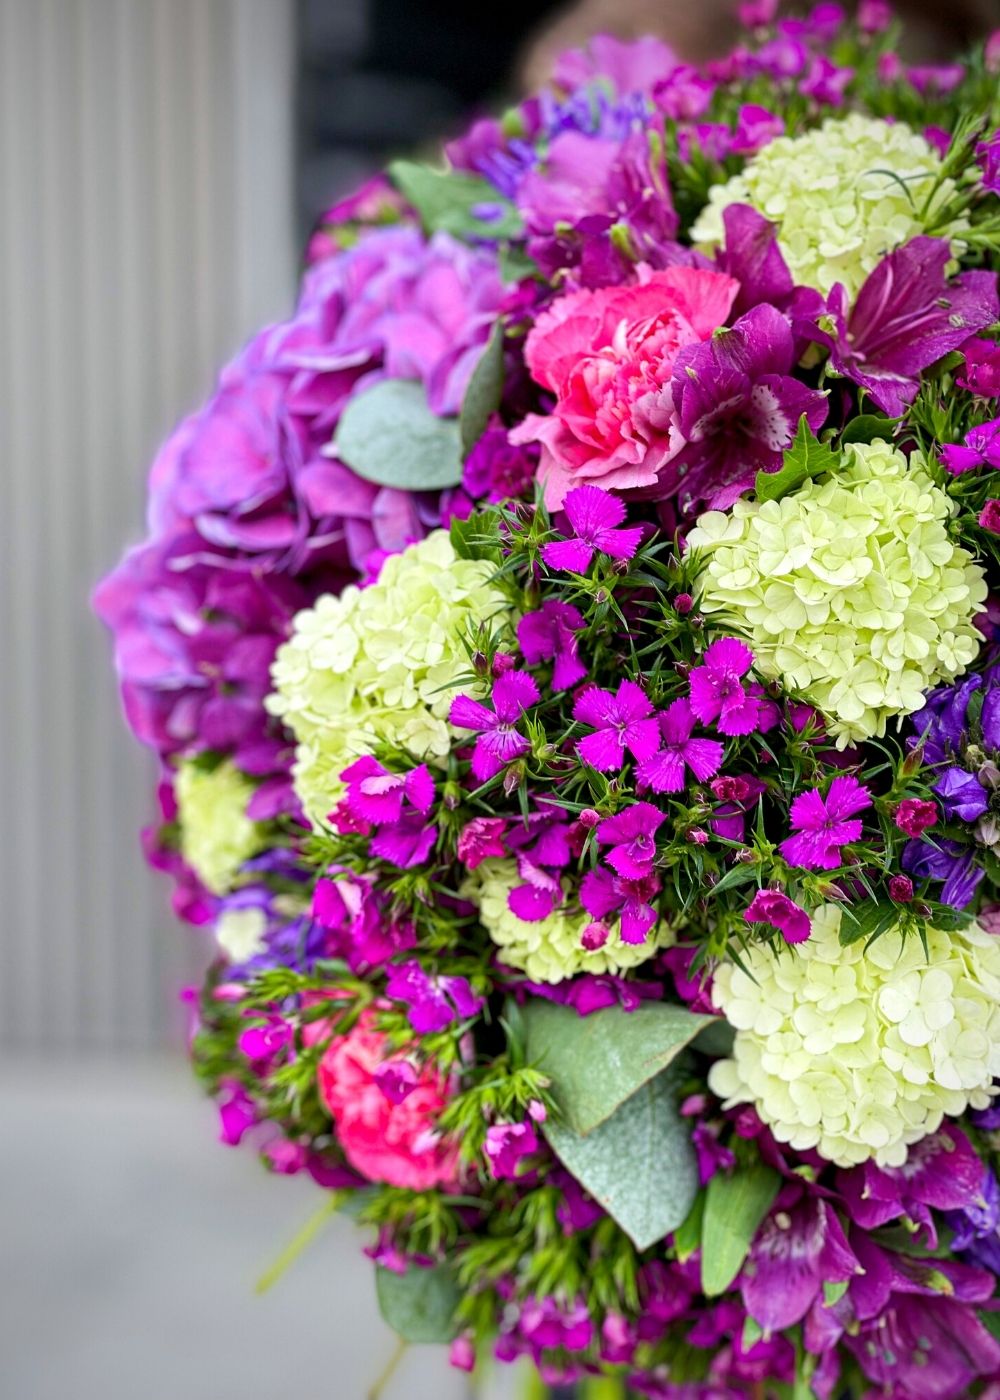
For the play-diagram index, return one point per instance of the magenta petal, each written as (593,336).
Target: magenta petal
(513,693)
(598,894)
(419,788)
(592,706)
(637,920)
(603,750)
(530,903)
(466,713)
(572,556)
(663,771)
(619,544)
(591,510)
(703,757)
(642,738)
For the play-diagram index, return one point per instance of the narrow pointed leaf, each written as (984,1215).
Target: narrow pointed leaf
(734,1208)
(482,397)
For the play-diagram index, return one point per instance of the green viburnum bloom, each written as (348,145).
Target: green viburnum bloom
(381,663)
(860,1053)
(553,948)
(843,195)
(217,836)
(849,589)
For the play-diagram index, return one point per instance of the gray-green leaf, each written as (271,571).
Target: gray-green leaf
(734,1208)
(639,1164)
(597,1062)
(419,1305)
(388,435)
(482,397)
(451,201)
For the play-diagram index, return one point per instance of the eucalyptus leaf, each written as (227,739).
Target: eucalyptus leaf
(388,435)
(597,1062)
(419,1305)
(482,397)
(735,1205)
(640,1164)
(454,202)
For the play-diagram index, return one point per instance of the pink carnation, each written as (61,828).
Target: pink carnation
(397,1143)
(608,355)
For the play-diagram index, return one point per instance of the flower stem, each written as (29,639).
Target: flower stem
(377,1390)
(299,1243)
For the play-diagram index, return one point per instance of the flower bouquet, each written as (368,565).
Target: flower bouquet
(569,648)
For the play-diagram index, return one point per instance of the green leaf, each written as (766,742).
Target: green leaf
(419,1305)
(389,435)
(734,1207)
(482,397)
(807,457)
(597,1062)
(833,1292)
(456,203)
(639,1164)
(869,426)
(687,1236)
(515,264)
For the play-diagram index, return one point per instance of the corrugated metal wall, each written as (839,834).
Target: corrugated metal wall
(145,229)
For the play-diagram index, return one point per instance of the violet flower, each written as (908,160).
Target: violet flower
(499,741)
(621,722)
(800,1247)
(962,795)
(773,907)
(432,1002)
(946,860)
(824,824)
(549,634)
(976,1224)
(594,516)
(736,408)
(664,771)
(631,834)
(717,693)
(602,893)
(906,316)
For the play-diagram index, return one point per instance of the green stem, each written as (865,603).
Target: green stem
(376,1392)
(300,1243)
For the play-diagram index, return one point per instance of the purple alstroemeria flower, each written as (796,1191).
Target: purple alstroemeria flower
(549,634)
(631,834)
(962,795)
(800,1247)
(979,448)
(602,893)
(736,408)
(824,824)
(622,724)
(942,1172)
(773,907)
(506,1147)
(595,516)
(499,742)
(664,771)
(432,1002)
(988,160)
(981,374)
(906,316)
(717,693)
(946,860)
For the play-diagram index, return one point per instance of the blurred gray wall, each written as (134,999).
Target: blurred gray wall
(146,212)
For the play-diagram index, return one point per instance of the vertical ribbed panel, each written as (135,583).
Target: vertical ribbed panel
(145,229)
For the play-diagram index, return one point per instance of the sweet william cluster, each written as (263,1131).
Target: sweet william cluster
(570,647)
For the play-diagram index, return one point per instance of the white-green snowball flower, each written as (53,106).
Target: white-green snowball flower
(859,1054)
(380,663)
(551,949)
(241,933)
(843,195)
(849,589)
(217,836)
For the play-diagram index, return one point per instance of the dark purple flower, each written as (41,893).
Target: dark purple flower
(945,860)
(773,907)
(824,824)
(800,1247)
(496,470)
(979,448)
(976,1224)
(717,692)
(989,517)
(432,1002)
(595,516)
(712,1156)
(988,159)
(962,794)
(602,893)
(981,374)
(915,815)
(941,724)
(736,409)
(906,316)
(499,741)
(664,771)
(506,1147)
(622,723)
(631,834)
(900,889)
(549,634)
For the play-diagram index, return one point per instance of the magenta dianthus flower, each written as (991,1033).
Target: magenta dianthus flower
(773,907)
(602,893)
(717,692)
(915,814)
(499,742)
(506,1147)
(550,635)
(621,721)
(595,516)
(481,839)
(432,1002)
(824,824)
(631,834)
(664,770)
(981,374)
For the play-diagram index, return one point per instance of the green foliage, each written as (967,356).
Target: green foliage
(735,1205)
(419,1305)
(807,457)
(484,391)
(388,435)
(451,201)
